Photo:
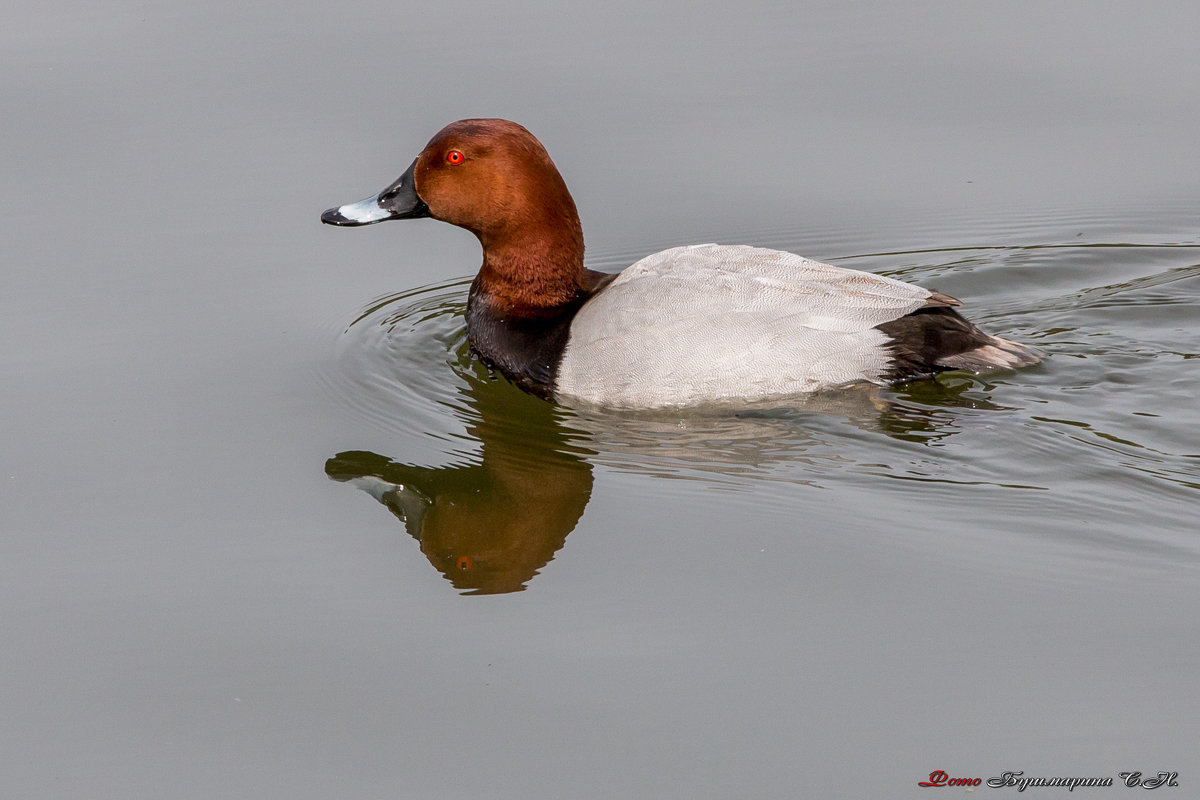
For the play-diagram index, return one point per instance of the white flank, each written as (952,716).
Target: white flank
(710,323)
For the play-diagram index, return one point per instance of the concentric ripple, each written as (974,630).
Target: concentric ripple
(1095,446)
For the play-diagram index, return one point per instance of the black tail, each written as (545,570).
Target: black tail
(937,338)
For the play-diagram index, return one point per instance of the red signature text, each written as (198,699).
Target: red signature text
(940,778)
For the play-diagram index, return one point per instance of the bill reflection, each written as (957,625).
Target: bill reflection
(489,527)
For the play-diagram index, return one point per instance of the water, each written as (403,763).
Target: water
(402,365)
(211,582)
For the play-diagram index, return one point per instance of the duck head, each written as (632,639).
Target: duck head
(490,176)
(495,179)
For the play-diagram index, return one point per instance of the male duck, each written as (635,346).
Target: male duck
(690,325)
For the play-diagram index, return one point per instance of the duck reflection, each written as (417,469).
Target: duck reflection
(489,527)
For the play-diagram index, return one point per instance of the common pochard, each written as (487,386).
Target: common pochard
(689,325)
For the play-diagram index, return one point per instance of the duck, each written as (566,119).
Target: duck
(688,326)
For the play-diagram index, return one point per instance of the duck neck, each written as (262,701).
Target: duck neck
(536,272)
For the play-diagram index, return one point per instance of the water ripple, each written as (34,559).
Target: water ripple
(1094,447)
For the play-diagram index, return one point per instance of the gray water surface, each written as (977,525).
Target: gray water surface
(213,585)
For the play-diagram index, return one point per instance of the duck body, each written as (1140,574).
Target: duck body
(686,326)
(713,323)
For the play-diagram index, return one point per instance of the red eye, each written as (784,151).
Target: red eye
(455,157)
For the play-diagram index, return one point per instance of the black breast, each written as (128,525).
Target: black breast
(527,350)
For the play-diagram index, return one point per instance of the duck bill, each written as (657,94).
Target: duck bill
(398,201)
